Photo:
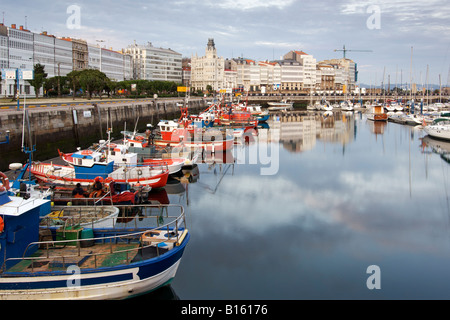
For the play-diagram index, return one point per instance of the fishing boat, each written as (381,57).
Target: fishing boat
(112,193)
(236,115)
(79,263)
(86,165)
(377,114)
(172,134)
(256,111)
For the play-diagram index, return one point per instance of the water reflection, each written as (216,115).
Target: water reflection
(311,230)
(300,132)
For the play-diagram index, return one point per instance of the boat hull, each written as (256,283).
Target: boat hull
(438,132)
(44,172)
(213,146)
(174,165)
(110,283)
(377,117)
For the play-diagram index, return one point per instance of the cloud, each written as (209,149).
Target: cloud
(245,5)
(273,44)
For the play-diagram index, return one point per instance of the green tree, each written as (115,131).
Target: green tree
(92,81)
(73,78)
(51,85)
(110,86)
(39,77)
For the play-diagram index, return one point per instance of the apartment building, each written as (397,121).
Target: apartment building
(292,78)
(308,64)
(345,73)
(152,63)
(325,77)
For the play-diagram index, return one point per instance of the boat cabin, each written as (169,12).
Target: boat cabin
(89,164)
(20,226)
(377,109)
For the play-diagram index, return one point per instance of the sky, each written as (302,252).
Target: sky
(392,41)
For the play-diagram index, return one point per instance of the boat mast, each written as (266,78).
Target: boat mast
(427,85)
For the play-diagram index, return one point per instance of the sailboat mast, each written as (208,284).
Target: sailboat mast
(410,75)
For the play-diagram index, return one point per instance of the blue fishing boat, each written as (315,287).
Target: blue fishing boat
(72,262)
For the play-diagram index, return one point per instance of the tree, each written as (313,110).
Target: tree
(51,85)
(74,81)
(110,86)
(92,81)
(39,78)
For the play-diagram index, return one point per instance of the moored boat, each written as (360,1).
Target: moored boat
(77,263)
(86,165)
(280,106)
(439,130)
(377,114)
(214,140)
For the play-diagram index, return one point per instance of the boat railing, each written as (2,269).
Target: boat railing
(86,215)
(176,232)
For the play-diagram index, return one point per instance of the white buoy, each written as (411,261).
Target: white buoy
(15,166)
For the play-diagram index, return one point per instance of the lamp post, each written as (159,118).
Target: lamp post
(59,86)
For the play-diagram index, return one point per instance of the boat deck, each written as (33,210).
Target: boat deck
(56,257)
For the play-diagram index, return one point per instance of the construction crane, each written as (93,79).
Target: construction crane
(345,50)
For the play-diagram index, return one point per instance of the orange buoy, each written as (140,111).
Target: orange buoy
(2,225)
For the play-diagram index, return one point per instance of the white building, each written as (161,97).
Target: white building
(208,69)
(4,60)
(44,52)
(291,75)
(115,65)
(151,63)
(309,66)
(112,64)
(20,55)
(127,67)
(63,57)
(94,57)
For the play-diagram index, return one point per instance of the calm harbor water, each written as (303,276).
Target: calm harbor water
(308,206)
